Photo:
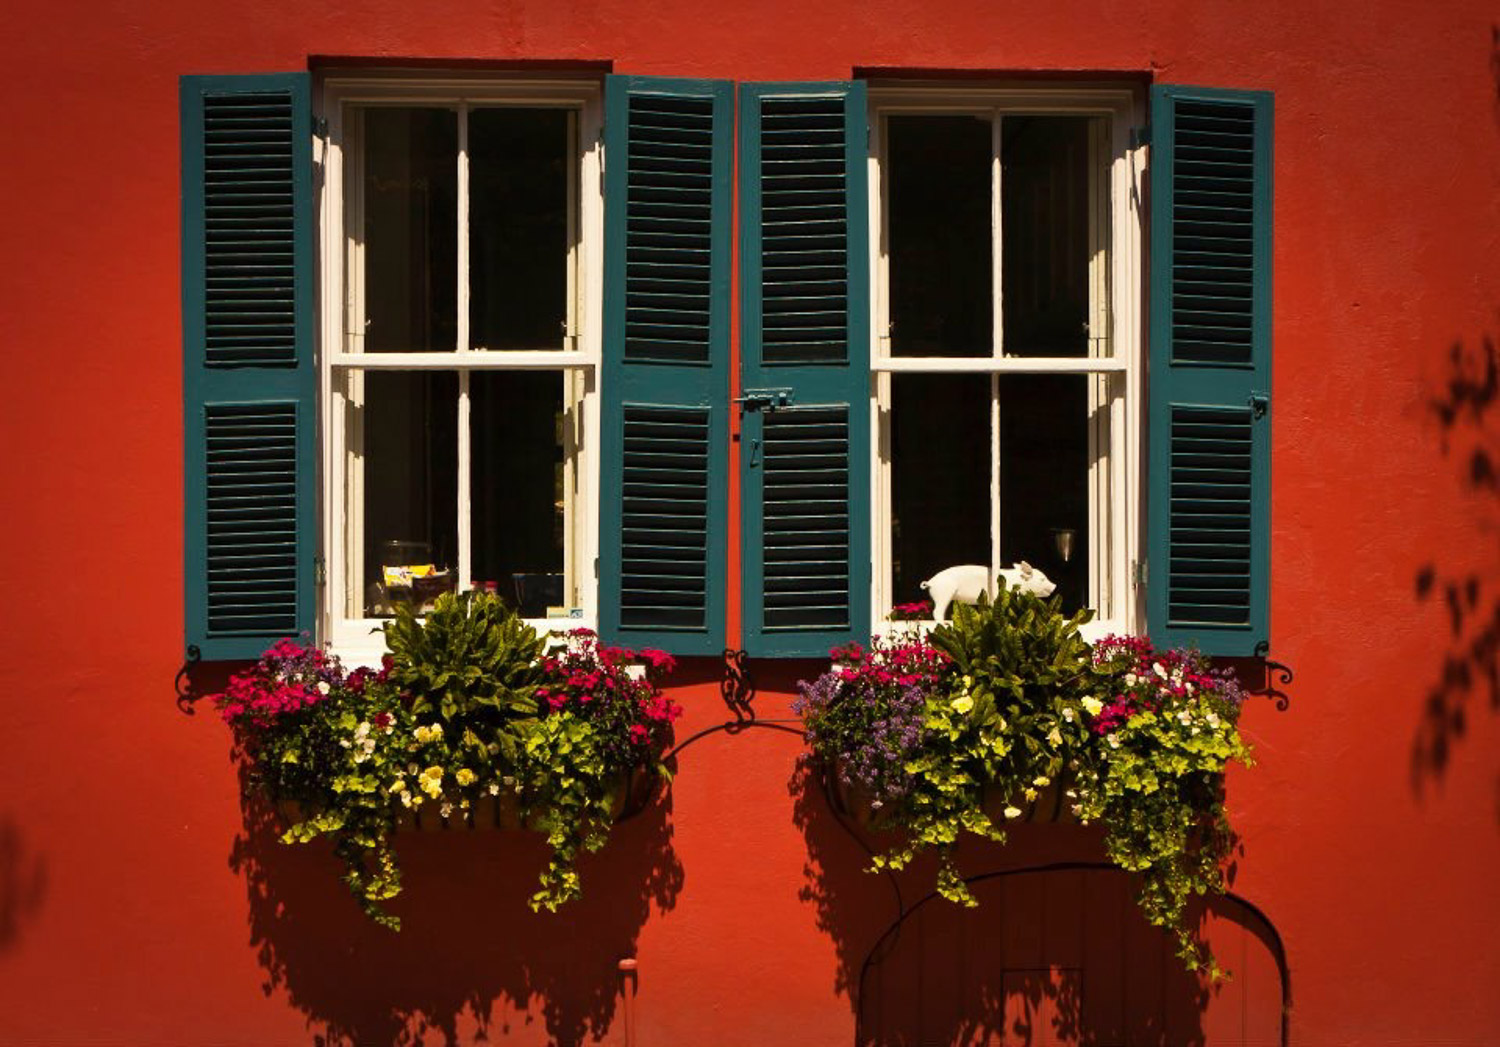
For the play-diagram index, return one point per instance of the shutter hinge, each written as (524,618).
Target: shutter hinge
(1138,572)
(320,571)
(1140,136)
(320,127)
(1260,403)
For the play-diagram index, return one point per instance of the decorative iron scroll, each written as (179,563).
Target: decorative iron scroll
(737,688)
(186,696)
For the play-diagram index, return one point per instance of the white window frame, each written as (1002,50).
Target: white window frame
(1117,528)
(358,639)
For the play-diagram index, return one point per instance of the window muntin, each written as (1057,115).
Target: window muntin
(463,224)
(1006,262)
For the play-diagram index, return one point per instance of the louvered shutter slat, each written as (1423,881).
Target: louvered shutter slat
(1209,499)
(805,258)
(248,378)
(665,438)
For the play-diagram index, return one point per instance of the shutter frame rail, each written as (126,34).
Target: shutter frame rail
(1209,497)
(249,377)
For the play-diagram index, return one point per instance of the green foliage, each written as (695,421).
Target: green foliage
(569,791)
(471,661)
(1019,702)
(455,719)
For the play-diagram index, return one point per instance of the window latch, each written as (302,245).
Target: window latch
(764,399)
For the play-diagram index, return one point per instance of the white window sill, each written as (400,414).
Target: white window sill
(361,643)
(1092,632)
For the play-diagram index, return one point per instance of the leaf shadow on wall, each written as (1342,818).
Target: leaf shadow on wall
(472,962)
(1467,412)
(1056,952)
(23,884)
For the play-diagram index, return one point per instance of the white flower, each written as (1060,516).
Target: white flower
(405,798)
(362,731)
(1013,812)
(1113,740)
(323,687)
(1159,669)
(345,742)
(446,809)
(494,788)
(1077,809)
(1184,717)
(1068,713)
(1213,719)
(1131,679)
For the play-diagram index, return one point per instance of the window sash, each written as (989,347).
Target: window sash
(1116,501)
(577,361)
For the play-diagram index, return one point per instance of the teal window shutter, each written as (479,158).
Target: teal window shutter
(665,438)
(1209,500)
(805,439)
(249,384)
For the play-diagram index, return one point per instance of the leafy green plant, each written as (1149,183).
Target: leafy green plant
(473,665)
(1164,728)
(322,743)
(471,707)
(951,733)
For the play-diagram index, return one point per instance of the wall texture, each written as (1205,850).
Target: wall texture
(139,904)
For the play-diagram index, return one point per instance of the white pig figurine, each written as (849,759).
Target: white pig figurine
(967,582)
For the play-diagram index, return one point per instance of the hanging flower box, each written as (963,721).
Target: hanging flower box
(1006,715)
(473,721)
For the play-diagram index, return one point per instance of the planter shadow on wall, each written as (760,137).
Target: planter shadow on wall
(1056,952)
(472,961)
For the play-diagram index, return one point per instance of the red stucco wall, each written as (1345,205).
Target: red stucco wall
(135,905)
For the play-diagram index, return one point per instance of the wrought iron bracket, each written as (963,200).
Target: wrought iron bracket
(737,689)
(1280,670)
(186,696)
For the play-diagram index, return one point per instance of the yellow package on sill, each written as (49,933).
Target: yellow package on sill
(402,577)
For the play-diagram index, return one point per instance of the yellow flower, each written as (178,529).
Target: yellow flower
(962,704)
(1092,705)
(1013,812)
(464,776)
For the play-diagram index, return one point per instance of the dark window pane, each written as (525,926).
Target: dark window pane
(518,227)
(1044,460)
(939,235)
(410,424)
(411,230)
(1045,235)
(516,487)
(940,477)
